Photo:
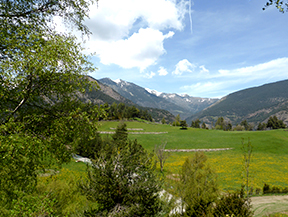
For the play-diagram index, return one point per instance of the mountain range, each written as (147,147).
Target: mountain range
(184,105)
(255,104)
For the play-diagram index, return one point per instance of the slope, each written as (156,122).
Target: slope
(255,105)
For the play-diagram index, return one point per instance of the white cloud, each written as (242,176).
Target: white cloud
(129,33)
(274,68)
(205,88)
(141,50)
(183,66)
(150,75)
(162,71)
(203,69)
(227,81)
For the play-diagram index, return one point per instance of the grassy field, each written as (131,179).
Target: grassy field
(270,151)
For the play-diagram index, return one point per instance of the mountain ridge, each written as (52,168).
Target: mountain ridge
(174,103)
(255,104)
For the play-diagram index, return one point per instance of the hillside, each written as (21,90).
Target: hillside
(255,105)
(184,105)
(107,95)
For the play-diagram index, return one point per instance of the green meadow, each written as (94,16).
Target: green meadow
(269,158)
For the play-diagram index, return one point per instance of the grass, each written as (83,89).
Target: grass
(269,158)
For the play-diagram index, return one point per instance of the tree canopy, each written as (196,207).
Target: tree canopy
(42,71)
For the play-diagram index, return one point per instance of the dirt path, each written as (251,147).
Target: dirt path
(270,204)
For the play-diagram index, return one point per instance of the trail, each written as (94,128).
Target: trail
(265,205)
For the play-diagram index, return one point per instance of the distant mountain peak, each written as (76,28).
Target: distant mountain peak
(155,92)
(117,81)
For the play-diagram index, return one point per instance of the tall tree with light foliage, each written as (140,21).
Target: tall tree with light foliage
(41,73)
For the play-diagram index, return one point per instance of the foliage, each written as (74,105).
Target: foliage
(245,103)
(261,126)
(280,5)
(42,71)
(238,128)
(183,125)
(247,154)
(161,154)
(196,123)
(177,120)
(122,111)
(220,124)
(198,184)
(274,189)
(269,151)
(163,121)
(246,126)
(203,126)
(233,204)
(122,180)
(274,123)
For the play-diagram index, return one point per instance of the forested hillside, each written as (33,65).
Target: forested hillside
(255,104)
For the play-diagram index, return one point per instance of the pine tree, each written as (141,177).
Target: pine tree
(122,180)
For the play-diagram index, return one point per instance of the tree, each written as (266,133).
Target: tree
(244,123)
(233,204)
(196,123)
(42,72)
(198,183)
(163,121)
(183,125)
(247,154)
(261,126)
(280,5)
(177,120)
(122,180)
(220,123)
(274,123)
(203,126)
(161,154)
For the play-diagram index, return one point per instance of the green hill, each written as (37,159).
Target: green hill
(255,105)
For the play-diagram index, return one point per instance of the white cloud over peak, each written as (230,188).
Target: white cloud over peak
(162,71)
(141,50)
(129,33)
(183,66)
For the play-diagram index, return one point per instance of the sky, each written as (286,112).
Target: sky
(202,48)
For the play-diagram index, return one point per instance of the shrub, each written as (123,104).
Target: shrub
(233,204)
(257,191)
(266,189)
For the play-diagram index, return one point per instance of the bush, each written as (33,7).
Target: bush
(257,191)
(233,204)
(266,189)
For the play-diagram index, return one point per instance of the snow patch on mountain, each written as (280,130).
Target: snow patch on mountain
(117,81)
(155,92)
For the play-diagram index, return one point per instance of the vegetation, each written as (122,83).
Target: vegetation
(41,119)
(280,5)
(161,155)
(122,111)
(198,186)
(121,180)
(269,151)
(258,103)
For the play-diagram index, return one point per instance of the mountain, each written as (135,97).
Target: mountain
(193,104)
(255,105)
(184,105)
(106,94)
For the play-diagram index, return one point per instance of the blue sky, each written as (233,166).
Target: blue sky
(203,48)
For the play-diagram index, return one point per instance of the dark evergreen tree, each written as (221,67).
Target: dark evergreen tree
(196,123)
(122,180)
(274,123)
